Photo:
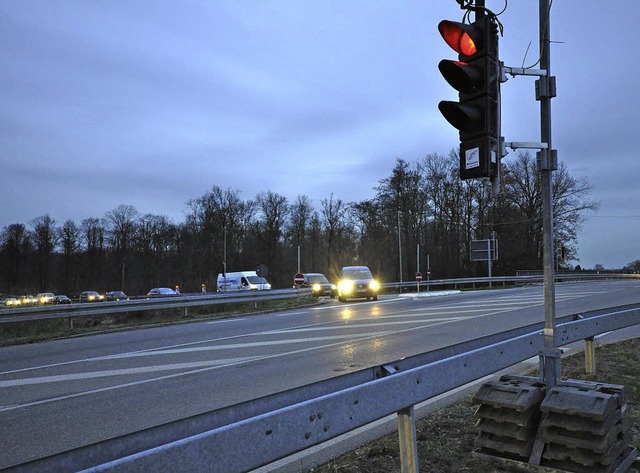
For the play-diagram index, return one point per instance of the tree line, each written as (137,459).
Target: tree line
(421,206)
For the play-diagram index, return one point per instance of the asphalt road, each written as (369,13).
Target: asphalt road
(58,395)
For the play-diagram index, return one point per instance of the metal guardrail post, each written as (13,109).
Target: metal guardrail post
(408,441)
(590,355)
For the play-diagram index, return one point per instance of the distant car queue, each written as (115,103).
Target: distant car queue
(355,282)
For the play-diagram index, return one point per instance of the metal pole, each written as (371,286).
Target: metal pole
(551,354)
(418,266)
(399,247)
(409,462)
(489,259)
(298,258)
(224,259)
(590,355)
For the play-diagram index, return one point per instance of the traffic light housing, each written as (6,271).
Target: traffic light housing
(475,76)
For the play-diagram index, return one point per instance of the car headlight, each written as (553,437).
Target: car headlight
(316,287)
(374,285)
(345,286)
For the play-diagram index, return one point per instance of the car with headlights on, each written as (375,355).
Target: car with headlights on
(28,299)
(319,284)
(91,296)
(46,298)
(11,302)
(357,282)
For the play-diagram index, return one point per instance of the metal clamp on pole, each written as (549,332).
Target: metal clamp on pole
(547,160)
(525,145)
(550,366)
(521,71)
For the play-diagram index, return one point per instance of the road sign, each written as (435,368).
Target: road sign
(484,250)
(298,279)
(419,276)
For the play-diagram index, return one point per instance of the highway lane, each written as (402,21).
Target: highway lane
(61,394)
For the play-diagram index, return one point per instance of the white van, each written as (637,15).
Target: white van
(242,281)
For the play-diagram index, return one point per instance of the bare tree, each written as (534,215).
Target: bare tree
(45,238)
(570,202)
(333,219)
(15,242)
(155,242)
(297,231)
(219,219)
(274,210)
(93,234)
(70,241)
(121,224)
(402,200)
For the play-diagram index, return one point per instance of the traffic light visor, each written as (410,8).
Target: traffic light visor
(457,36)
(461,76)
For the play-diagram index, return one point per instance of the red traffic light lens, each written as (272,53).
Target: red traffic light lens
(456,36)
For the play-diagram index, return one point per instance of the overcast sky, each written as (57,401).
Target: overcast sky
(150,103)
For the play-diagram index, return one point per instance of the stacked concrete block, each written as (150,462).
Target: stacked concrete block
(509,415)
(585,427)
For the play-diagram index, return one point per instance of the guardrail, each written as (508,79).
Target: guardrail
(185,302)
(249,435)
(486,281)
(138,305)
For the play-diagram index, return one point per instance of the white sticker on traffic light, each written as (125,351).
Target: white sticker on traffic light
(472,158)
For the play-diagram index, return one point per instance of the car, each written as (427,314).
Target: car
(116,296)
(11,302)
(319,284)
(61,299)
(357,282)
(46,298)
(28,299)
(91,296)
(161,292)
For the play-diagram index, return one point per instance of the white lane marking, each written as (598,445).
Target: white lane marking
(122,371)
(366,325)
(286,314)
(356,304)
(258,358)
(226,321)
(447,310)
(214,340)
(238,345)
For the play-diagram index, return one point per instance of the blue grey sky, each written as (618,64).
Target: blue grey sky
(150,103)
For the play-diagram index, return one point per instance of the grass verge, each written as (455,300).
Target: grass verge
(445,437)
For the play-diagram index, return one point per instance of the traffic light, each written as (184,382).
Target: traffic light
(475,76)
